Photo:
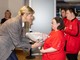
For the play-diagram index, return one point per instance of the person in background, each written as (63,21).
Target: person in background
(7,15)
(11,34)
(53,48)
(71,34)
(63,13)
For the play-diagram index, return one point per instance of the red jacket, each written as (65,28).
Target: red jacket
(79,29)
(72,36)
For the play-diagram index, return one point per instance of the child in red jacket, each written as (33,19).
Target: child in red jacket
(53,48)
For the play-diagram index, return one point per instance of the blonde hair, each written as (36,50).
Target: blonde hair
(26,9)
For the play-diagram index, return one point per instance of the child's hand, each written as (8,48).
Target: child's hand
(42,50)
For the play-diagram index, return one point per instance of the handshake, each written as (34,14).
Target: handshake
(37,37)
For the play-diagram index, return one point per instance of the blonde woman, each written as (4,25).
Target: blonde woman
(11,34)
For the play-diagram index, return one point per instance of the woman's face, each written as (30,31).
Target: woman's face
(54,24)
(7,14)
(28,18)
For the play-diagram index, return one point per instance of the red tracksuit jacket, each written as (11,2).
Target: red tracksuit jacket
(72,36)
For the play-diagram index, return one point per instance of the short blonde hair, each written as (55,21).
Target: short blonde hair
(26,9)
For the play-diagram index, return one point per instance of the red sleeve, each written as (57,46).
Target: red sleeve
(72,29)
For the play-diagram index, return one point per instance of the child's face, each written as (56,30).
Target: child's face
(68,14)
(54,24)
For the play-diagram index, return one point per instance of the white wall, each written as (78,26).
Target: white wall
(14,6)
(45,10)
(3,7)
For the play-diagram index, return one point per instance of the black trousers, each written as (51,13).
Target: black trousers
(13,56)
(72,56)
